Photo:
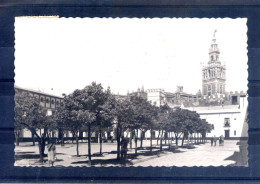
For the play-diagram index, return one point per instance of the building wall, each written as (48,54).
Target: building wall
(46,100)
(236,116)
(155,96)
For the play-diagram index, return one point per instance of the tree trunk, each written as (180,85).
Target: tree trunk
(182,142)
(151,141)
(161,140)
(131,139)
(77,147)
(136,137)
(100,139)
(158,137)
(41,144)
(17,140)
(62,141)
(41,152)
(118,142)
(17,135)
(89,144)
(176,139)
(141,144)
(165,137)
(33,139)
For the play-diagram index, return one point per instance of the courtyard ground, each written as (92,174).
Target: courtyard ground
(197,155)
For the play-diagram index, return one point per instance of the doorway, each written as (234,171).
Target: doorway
(234,100)
(226,134)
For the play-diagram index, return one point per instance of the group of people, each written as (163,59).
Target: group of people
(215,139)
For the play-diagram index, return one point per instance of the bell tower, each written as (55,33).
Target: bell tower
(214,73)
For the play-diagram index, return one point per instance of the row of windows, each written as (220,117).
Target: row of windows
(52,101)
(212,89)
(226,122)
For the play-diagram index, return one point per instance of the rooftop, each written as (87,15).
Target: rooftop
(37,91)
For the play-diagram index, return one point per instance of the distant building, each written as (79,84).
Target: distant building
(140,92)
(159,97)
(46,100)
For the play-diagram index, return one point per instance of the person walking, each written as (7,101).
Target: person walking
(51,152)
(124,143)
(215,140)
(212,140)
(222,140)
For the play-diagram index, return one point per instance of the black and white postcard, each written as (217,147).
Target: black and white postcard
(130,92)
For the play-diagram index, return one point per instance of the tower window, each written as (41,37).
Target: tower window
(235,132)
(209,90)
(211,58)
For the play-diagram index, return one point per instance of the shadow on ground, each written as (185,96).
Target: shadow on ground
(241,157)
(24,152)
(104,162)
(28,156)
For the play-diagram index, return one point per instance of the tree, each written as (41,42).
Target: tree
(60,116)
(87,118)
(19,116)
(179,119)
(205,127)
(90,100)
(191,122)
(106,115)
(143,111)
(124,118)
(70,118)
(31,115)
(154,113)
(163,122)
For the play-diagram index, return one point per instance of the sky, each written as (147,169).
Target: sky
(59,55)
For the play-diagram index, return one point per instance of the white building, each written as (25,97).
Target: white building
(228,120)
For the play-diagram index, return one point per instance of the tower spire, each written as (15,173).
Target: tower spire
(214,50)
(213,74)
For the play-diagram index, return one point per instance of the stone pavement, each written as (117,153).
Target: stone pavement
(201,155)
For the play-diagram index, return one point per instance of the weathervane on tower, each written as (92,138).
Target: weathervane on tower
(214,33)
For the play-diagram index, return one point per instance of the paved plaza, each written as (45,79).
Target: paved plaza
(198,155)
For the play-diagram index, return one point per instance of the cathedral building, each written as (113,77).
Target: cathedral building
(214,73)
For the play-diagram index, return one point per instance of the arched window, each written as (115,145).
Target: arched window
(42,99)
(212,58)
(47,100)
(52,101)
